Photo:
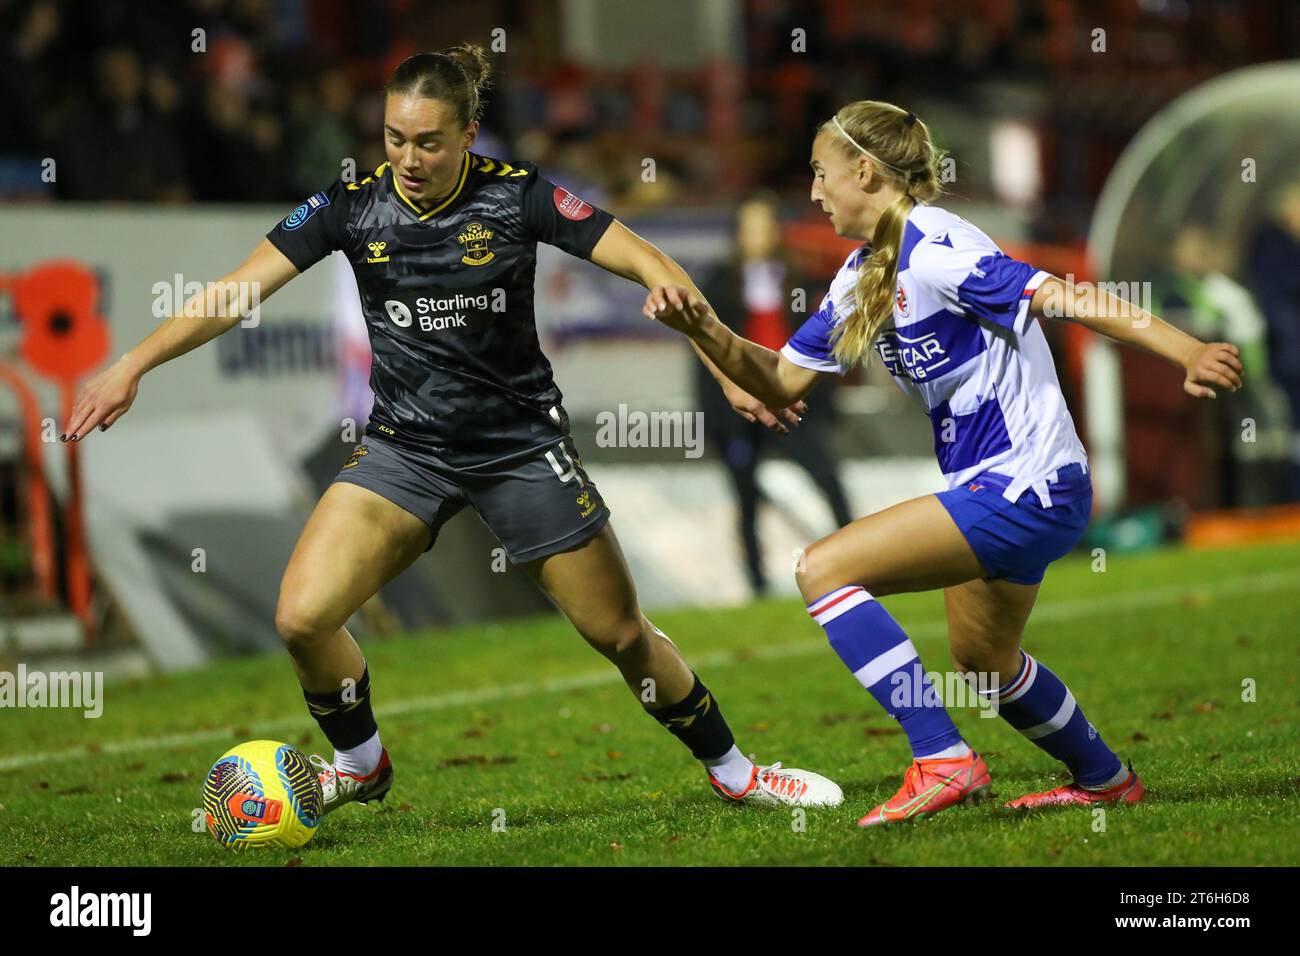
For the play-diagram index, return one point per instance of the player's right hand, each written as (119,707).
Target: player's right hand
(102,400)
(675,307)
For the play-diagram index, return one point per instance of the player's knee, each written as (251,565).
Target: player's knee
(624,635)
(298,625)
(816,574)
(630,637)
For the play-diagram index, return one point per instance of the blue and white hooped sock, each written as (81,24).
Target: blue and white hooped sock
(1042,708)
(882,658)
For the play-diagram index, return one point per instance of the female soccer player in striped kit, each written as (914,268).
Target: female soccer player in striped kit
(953,320)
(466,413)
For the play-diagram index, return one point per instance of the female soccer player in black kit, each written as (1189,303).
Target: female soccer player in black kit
(443,242)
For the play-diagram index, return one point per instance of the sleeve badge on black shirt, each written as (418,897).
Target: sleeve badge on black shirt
(306,210)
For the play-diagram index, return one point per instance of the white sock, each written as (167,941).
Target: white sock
(359,760)
(1114,781)
(733,769)
(959,749)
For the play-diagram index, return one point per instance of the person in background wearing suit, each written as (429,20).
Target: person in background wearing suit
(752,292)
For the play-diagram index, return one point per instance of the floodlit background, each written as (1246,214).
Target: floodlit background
(150,145)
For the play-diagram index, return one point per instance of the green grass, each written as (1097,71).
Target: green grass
(1155,650)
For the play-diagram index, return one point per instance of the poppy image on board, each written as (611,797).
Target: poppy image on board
(64,336)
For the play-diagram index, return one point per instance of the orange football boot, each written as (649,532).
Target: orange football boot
(1130,791)
(931,785)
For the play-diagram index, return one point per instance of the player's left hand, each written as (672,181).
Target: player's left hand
(752,410)
(1216,364)
(675,307)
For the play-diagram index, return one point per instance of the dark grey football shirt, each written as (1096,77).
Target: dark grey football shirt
(447,293)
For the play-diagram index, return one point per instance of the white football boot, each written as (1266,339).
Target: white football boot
(340,787)
(775,785)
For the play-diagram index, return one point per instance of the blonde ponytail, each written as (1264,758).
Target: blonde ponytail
(903,153)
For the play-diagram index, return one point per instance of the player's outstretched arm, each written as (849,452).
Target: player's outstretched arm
(106,397)
(622,252)
(767,374)
(1208,365)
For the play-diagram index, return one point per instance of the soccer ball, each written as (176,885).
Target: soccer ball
(262,793)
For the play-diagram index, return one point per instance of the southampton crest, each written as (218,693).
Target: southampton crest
(475,240)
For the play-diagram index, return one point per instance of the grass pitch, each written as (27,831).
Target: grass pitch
(522,723)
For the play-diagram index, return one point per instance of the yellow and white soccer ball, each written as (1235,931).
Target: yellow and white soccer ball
(262,793)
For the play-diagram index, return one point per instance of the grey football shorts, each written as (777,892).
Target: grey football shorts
(538,505)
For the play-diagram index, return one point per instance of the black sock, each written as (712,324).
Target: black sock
(345,723)
(697,722)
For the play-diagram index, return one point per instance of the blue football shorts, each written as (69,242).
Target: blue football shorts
(1016,541)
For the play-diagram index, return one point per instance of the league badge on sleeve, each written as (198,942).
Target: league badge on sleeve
(306,210)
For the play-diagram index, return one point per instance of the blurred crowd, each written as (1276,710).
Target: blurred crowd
(1260,315)
(249,100)
(182,101)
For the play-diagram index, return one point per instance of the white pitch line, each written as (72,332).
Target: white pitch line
(1099,606)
